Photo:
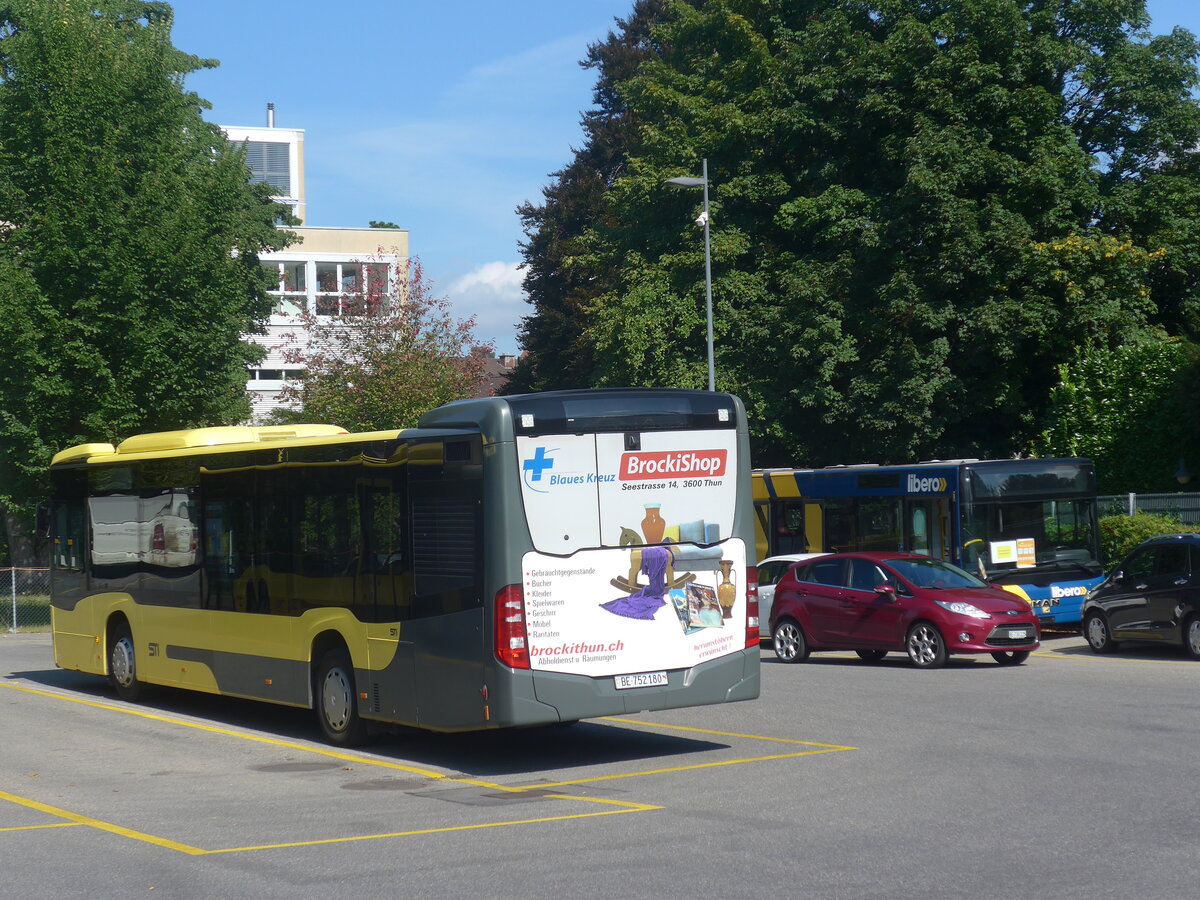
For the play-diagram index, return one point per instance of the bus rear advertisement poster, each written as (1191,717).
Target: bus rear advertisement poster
(668,595)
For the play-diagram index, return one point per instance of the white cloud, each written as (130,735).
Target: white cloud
(492,293)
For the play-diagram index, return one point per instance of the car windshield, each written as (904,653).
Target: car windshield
(933,573)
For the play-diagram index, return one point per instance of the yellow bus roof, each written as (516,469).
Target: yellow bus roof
(226,438)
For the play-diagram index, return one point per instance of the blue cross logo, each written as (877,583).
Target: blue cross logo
(534,467)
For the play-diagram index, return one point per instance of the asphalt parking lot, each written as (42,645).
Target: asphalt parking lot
(1068,776)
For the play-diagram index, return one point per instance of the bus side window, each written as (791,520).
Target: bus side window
(386,567)
(445,495)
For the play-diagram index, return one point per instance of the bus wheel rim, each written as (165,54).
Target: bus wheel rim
(122,662)
(335,699)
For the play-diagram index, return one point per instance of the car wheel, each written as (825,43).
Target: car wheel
(871,655)
(1099,638)
(790,645)
(1010,657)
(335,701)
(926,648)
(122,665)
(1191,636)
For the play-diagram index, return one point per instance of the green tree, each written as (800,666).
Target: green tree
(913,210)
(129,237)
(1133,410)
(1120,534)
(386,358)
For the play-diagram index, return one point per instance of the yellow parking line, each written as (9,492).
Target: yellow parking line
(320,751)
(632,807)
(78,819)
(727,762)
(622,806)
(732,734)
(1096,658)
(101,825)
(36,827)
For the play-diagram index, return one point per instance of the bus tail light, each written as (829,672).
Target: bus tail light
(512,646)
(752,631)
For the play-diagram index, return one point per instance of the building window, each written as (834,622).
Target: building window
(274,374)
(340,288)
(268,161)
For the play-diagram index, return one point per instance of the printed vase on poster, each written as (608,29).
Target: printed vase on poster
(726,590)
(653,525)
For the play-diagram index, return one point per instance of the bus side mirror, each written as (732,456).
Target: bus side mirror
(42,520)
(886,592)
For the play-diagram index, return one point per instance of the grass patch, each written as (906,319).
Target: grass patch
(33,613)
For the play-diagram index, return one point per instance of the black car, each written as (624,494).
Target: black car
(1152,596)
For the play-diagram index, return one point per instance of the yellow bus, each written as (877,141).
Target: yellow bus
(511,561)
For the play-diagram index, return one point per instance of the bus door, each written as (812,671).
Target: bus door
(927,520)
(383,592)
(445,507)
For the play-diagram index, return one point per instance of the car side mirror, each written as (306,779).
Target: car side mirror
(886,591)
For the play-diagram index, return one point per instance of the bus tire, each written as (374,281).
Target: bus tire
(122,665)
(336,702)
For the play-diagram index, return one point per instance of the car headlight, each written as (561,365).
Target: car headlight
(963,608)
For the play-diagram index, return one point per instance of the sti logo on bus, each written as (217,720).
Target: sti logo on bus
(666,464)
(926,485)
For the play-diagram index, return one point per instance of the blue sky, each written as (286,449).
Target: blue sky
(439,116)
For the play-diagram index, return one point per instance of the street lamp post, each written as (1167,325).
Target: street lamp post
(685,182)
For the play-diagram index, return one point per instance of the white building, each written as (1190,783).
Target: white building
(323,272)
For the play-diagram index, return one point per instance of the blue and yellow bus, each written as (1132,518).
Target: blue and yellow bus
(1027,525)
(511,561)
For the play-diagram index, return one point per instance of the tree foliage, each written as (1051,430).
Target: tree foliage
(919,210)
(1120,534)
(1133,410)
(129,237)
(392,354)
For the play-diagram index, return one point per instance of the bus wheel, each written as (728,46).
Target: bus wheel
(926,648)
(122,665)
(1010,657)
(790,645)
(336,703)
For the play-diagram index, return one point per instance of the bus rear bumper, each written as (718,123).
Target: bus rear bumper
(730,678)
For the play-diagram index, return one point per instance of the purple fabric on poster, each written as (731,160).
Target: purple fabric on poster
(646,602)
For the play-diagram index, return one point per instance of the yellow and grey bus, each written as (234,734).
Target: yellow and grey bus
(511,561)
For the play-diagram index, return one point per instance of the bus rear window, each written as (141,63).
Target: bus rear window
(571,412)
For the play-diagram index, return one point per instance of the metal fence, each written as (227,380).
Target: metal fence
(1184,507)
(25,604)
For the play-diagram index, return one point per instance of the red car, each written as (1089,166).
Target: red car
(874,603)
